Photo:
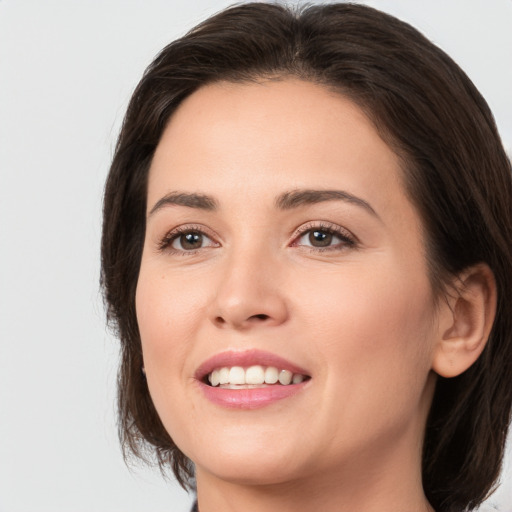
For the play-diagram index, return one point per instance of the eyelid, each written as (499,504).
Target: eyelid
(164,244)
(330,227)
(349,239)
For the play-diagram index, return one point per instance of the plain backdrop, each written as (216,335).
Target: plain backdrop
(67,69)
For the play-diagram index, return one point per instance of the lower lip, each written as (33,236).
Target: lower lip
(254,398)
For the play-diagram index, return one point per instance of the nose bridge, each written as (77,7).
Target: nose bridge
(248,291)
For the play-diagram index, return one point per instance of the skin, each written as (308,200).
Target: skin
(359,316)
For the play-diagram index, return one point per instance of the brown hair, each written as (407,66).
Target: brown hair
(456,173)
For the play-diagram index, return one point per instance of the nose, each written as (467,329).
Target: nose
(249,293)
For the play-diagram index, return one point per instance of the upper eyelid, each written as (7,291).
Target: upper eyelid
(199,228)
(173,233)
(325,226)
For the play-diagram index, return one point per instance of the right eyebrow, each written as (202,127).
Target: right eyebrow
(201,201)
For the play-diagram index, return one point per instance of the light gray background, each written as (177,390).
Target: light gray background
(67,69)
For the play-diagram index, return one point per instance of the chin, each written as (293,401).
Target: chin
(249,463)
(254,472)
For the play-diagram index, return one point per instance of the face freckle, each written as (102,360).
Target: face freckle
(355,313)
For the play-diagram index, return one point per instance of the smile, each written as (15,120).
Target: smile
(250,379)
(237,377)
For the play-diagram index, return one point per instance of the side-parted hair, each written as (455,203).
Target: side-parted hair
(454,170)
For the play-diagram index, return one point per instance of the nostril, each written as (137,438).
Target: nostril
(260,317)
(241,321)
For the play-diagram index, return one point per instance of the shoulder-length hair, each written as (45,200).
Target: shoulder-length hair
(455,172)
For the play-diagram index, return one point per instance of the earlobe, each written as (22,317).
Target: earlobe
(465,321)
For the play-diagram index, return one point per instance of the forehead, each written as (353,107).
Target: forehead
(272,136)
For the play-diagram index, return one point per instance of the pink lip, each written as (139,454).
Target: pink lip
(248,398)
(245,359)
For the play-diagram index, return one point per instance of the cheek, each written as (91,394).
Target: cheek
(373,333)
(166,320)
(373,323)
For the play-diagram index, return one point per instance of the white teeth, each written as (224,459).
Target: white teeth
(237,375)
(297,378)
(285,377)
(254,376)
(271,375)
(223,375)
(214,378)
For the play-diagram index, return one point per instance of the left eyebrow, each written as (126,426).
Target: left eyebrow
(296,198)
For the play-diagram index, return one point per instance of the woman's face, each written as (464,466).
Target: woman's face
(279,238)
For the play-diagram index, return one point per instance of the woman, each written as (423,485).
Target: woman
(307,255)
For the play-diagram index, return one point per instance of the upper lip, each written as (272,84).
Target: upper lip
(246,359)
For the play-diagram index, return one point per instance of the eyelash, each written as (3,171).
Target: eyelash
(167,241)
(348,240)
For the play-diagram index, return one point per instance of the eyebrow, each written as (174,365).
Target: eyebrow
(191,200)
(286,201)
(295,198)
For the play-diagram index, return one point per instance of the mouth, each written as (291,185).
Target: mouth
(250,377)
(255,376)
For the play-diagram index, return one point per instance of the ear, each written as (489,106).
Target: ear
(465,321)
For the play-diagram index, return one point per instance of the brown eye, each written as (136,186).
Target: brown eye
(189,241)
(325,238)
(319,238)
